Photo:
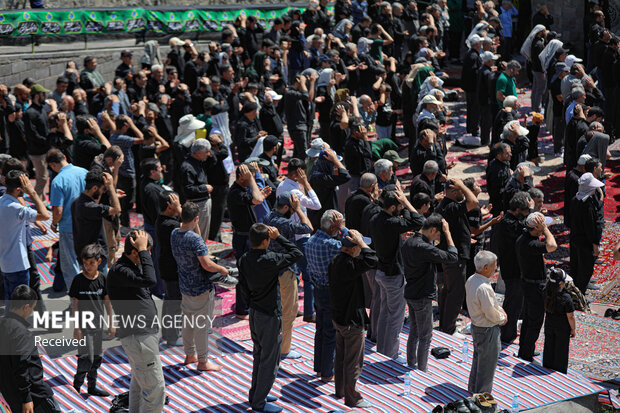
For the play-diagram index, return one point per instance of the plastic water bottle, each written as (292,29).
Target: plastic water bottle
(407,384)
(515,404)
(465,356)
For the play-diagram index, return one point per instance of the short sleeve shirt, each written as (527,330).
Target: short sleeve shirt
(506,85)
(90,295)
(65,188)
(187,246)
(564,305)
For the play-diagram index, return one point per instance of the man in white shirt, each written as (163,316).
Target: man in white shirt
(486,318)
(297,183)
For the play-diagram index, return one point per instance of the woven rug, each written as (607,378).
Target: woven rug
(300,391)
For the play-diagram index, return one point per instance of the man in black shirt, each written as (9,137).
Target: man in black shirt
(271,144)
(87,214)
(150,188)
(458,201)
(358,200)
(240,208)
(426,150)
(259,271)
(89,141)
(538,81)
(296,111)
(587,225)
(575,129)
(167,221)
(521,180)
(247,131)
(507,231)
(346,291)
(555,89)
(397,217)
(420,259)
(571,183)
(498,174)
(128,285)
(21,370)
(36,128)
(195,184)
(471,64)
(485,73)
(357,154)
(530,255)
(326,175)
(426,183)
(515,136)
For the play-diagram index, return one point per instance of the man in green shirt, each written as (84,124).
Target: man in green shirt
(506,85)
(379,38)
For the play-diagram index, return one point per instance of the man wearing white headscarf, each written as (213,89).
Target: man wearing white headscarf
(586,211)
(532,47)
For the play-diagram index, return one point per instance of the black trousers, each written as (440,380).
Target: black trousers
(486,123)
(266,333)
(89,359)
(513,305)
(218,206)
(581,264)
(35,280)
(348,362)
(128,185)
(171,307)
(557,343)
(473,112)
(451,295)
(300,142)
(533,317)
(240,244)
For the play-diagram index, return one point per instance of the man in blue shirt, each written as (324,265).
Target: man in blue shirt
(280,218)
(321,248)
(14,216)
(126,173)
(192,257)
(65,188)
(508,11)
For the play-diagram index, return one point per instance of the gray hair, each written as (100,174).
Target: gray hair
(510,101)
(327,218)
(364,98)
(367,180)
(535,193)
(200,145)
(350,46)
(483,259)
(382,165)
(576,93)
(531,219)
(157,68)
(430,167)
(595,126)
(513,64)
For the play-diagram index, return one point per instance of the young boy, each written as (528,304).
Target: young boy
(89,294)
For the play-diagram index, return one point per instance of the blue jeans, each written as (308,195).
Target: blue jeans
(325,337)
(68,258)
(158,289)
(12,280)
(384,132)
(240,244)
(302,264)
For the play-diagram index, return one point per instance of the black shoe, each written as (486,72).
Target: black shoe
(458,407)
(94,391)
(77,385)
(438,409)
(609,312)
(469,403)
(536,353)
(616,315)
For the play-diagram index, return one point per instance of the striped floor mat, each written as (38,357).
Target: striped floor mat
(300,391)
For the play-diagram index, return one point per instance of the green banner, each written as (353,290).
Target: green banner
(25,23)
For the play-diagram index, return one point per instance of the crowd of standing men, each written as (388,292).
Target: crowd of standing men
(197,137)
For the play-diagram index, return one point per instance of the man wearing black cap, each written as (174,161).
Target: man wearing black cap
(346,289)
(125,70)
(247,131)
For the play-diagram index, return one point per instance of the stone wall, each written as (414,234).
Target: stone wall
(568,20)
(46,67)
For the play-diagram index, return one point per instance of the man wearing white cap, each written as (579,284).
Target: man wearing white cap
(471,64)
(485,74)
(586,229)
(515,136)
(429,105)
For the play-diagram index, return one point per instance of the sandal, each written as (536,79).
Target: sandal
(471,405)
(490,399)
(481,401)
